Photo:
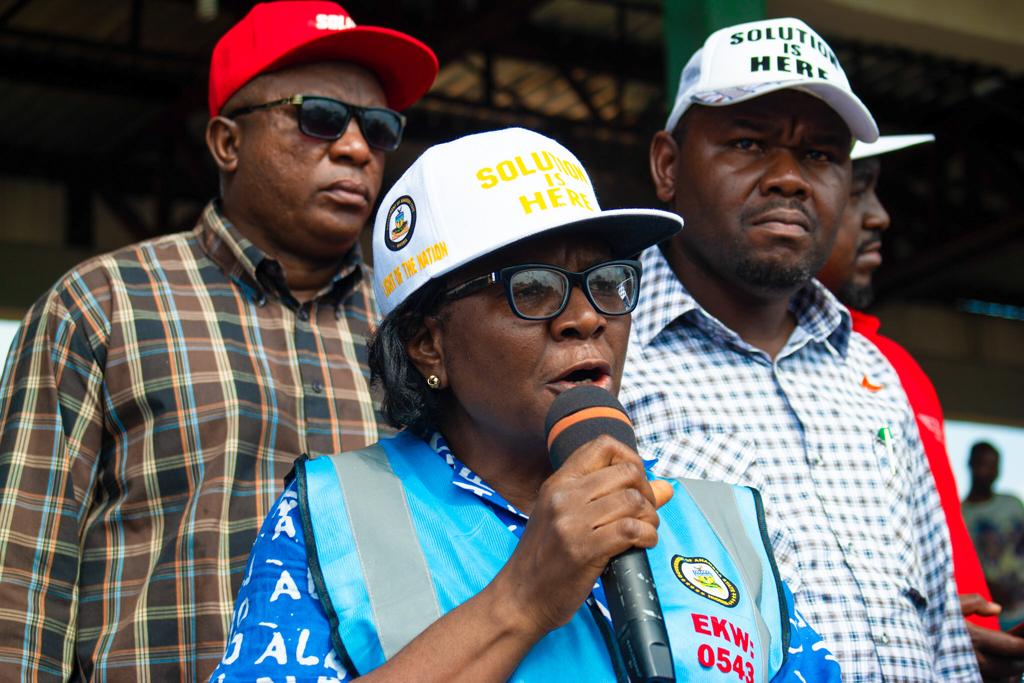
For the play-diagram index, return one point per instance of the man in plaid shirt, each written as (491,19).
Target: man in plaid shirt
(155,397)
(744,369)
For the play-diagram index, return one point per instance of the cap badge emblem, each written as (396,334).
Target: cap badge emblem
(400,223)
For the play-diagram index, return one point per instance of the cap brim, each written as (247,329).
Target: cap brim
(849,107)
(405,67)
(626,231)
(888,143)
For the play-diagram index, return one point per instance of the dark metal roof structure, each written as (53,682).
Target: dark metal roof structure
(108,98)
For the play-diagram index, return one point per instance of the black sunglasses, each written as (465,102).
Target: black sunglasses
(536,291)
(327,119)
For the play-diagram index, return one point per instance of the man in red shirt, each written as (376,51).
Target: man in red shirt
(855,257)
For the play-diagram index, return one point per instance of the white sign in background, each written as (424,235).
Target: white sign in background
(7,330)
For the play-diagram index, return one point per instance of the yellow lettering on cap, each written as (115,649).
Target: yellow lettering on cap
(547,164)
(555,169)
(487,178)
(552,177)
(538,199)
(432,254)
(522,167)
(506,170)
(556,195)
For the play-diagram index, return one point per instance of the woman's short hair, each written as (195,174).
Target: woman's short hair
(407,401)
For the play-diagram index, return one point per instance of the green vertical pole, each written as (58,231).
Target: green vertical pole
(687,23)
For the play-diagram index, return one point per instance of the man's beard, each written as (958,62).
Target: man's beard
(857,297)
(768,275)
(773,276)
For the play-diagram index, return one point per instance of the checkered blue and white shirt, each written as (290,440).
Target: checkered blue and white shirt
(852,510)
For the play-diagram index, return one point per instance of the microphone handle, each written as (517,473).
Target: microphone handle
(637,618)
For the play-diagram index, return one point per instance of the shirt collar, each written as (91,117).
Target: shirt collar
(821,316)
(246,263)
(467,479)
(664,301)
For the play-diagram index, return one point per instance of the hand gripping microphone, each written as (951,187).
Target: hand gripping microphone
(578,416)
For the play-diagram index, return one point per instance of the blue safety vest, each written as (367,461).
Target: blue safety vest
(393,546)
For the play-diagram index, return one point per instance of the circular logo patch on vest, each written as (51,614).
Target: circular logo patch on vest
(400,223)
(703,578)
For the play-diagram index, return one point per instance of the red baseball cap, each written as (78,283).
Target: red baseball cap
(274,35)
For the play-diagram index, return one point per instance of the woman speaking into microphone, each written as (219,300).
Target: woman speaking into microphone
(453,550)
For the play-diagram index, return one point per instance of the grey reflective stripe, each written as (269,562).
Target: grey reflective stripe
(398,582)
(718,503)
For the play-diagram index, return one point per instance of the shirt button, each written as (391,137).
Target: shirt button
(318,387)
(303,314)
(882,638)
(817,461)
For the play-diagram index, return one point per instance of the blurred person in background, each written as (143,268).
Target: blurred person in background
(155,396)
(996,524)
(848,273)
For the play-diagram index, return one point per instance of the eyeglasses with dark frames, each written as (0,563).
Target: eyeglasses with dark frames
(327,119)
(537,291)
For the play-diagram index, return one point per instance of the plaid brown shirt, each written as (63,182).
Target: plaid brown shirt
(151,405)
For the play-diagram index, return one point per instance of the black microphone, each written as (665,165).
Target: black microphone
(576,417)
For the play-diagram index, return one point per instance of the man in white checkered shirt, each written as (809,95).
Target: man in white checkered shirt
(744,369)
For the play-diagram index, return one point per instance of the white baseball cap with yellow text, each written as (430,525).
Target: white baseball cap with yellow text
(467,198)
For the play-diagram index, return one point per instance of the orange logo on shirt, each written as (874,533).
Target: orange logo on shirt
(870,386)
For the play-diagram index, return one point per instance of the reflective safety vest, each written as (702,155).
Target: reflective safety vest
(393,546)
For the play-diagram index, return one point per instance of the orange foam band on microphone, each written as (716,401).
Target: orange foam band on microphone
(585,414)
